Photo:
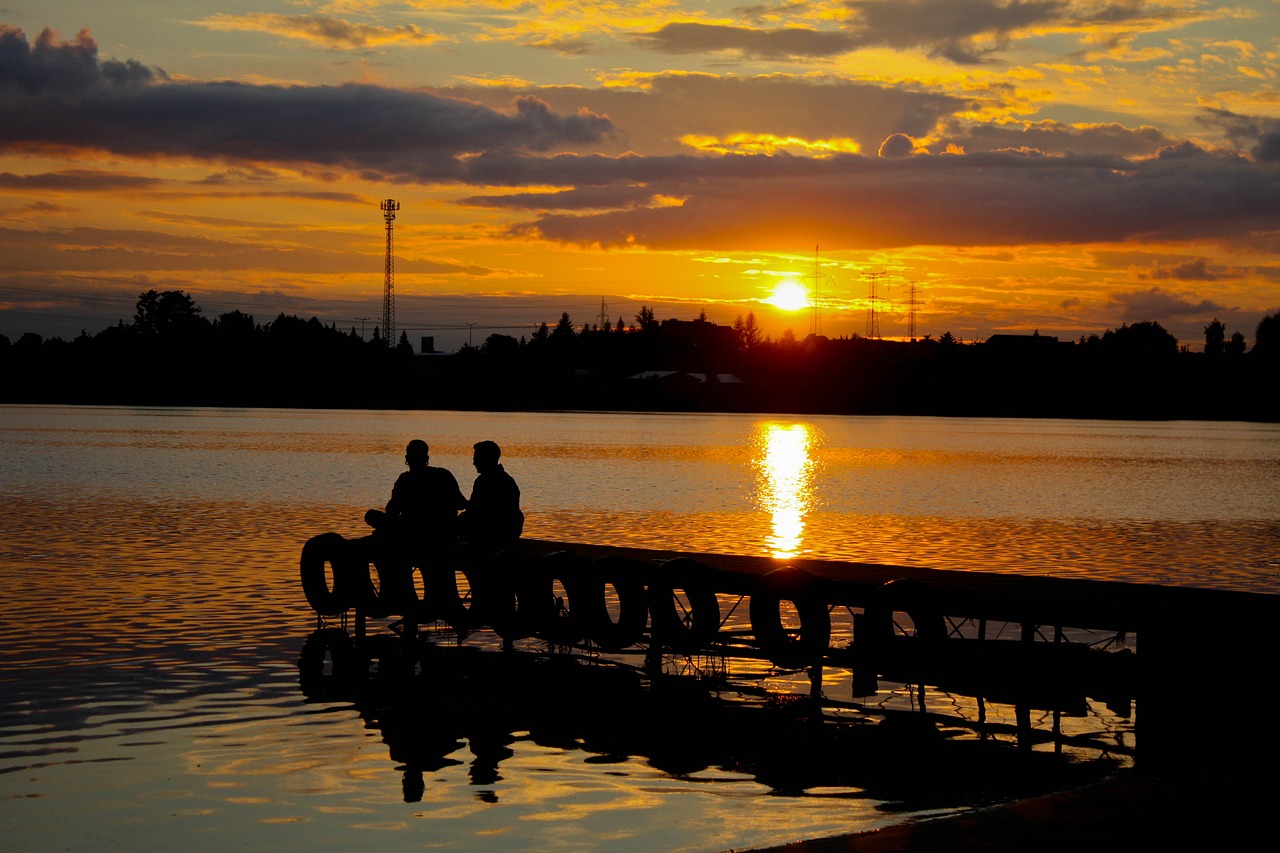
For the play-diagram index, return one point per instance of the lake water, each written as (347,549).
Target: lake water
(149,642)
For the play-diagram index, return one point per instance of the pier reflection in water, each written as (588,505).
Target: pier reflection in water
(439,707)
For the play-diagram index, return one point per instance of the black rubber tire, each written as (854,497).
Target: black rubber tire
(333,549)
(685,631)
(461,610)
(907,596)
(784,648)
(633,607)
(560,621)
(505,594)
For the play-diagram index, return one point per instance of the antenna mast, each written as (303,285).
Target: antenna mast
(389,208)
(816,281)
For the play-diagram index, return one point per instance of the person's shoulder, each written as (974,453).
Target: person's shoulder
(442,473)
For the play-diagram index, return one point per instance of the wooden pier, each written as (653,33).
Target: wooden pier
(664,602)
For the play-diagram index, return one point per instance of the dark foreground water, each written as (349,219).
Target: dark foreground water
(152,623)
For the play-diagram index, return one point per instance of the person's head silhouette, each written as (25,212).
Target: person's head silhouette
(486,456)
(417,453)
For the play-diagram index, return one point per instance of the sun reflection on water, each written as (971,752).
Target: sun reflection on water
(784,482)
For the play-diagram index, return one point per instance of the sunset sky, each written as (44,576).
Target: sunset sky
(1055,165)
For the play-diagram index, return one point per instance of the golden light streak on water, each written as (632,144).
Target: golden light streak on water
(784,482)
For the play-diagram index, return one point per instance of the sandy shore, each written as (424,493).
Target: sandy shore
(1131,811)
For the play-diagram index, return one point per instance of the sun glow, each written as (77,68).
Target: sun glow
(789,295)
(784,482)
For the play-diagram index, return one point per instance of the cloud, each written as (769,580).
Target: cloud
(77,180)
(855,202)
(671,106)
(324,30)
(1241,130)
(67,68)
(897,145)
(963,31)
(970,31)
(1054,137)
(1195,269)
(1158,303)
(61,95)
(784,43)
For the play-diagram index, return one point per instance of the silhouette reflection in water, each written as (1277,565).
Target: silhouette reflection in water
(430,701)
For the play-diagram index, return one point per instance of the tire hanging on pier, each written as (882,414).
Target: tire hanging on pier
(334,550)
(685,623)
(902,595)
(790,648)
(561,619)
(452,593)
(624,577)
(507,596)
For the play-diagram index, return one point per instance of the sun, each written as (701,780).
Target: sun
(789,295)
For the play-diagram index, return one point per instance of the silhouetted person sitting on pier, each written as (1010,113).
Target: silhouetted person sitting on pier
(423,510)
(493,519)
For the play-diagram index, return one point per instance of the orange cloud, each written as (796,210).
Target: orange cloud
(323,30)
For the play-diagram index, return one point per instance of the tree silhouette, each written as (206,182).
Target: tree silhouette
(167,313)
(1147,339)
(1215,336)
(564,328)
(1266,337)
(748,331)
(645,319)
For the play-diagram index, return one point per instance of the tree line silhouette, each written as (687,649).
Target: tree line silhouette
(169,353)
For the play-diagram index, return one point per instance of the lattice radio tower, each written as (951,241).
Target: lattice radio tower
(874,280)
(816,281)
(389,208)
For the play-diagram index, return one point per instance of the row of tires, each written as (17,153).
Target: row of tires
(565,599)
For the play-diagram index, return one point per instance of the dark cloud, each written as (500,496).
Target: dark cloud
(1242,130)
(964,31)
(897,145)
(1158,303)
(1053,137)
(77,180)
(612,197)
(565,46)
(784,43)
(1195,269)
(67,68)
(325,30)
(61,95)
(988,199)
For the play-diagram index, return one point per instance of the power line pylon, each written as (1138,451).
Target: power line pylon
(389,208)
(602,319)
(873,302)
(913,302)
(816,281)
